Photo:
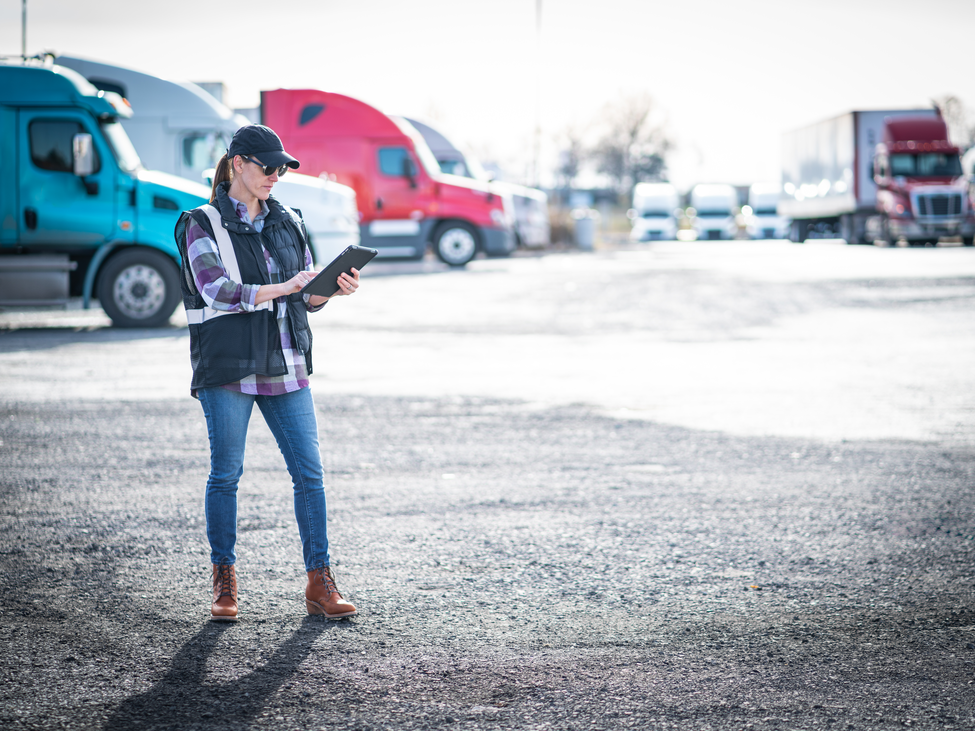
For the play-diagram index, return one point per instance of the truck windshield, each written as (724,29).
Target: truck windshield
(655,214)
(928,164)
(202,150)
(125,154)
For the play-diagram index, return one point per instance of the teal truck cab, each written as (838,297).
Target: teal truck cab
(79,215)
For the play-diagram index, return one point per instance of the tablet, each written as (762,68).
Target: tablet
(324,284)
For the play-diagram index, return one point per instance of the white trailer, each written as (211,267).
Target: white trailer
(178,128)
(654,212)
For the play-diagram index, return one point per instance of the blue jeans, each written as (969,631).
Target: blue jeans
(291,418)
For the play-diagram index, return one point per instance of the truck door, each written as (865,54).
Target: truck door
(395,192)
(58,207)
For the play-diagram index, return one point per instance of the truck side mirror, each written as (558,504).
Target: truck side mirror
(83,154)
(409,170)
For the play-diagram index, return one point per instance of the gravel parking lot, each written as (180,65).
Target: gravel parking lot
(692,486)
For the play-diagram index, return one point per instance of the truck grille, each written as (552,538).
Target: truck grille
(945,204)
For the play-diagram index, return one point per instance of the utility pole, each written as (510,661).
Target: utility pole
(23,30)
(537,137)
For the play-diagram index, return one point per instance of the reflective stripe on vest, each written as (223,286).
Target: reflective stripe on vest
(228,256)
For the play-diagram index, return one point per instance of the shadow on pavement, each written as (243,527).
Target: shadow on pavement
(43,338)
(184,698)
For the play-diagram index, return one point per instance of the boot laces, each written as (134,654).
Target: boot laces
(328,580)
(225,581)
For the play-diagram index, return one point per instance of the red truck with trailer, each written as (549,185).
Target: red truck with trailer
(839,179)
(405,202)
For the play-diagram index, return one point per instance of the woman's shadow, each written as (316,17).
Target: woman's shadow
(183,698)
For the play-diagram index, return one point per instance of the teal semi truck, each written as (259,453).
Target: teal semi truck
(79,215)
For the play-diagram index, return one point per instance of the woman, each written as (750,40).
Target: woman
(245,261)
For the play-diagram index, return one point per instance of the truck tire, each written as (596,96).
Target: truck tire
(885,231)
(849,230)
(139,287)
(798,231)
(968,241)
(455,243)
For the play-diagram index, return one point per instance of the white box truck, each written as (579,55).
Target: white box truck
(179,128)
(714,211)
(654,212)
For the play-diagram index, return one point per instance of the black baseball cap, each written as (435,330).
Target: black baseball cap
(263,143)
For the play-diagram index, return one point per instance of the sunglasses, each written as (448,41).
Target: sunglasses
(269,170)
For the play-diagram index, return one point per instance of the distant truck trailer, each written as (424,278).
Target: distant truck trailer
(830,187)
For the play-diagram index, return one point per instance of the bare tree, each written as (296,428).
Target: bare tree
(572,155)
(633,146)
(960,120)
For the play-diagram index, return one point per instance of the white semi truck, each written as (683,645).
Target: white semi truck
(764,221)
(714,211)
(180,129)
(654,212)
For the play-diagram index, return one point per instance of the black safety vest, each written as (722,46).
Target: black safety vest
(226,347)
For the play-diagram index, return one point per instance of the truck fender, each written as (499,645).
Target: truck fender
(96,264)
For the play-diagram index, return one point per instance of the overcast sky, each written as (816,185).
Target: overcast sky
(728,77)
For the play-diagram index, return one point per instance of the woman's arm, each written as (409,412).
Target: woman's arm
(210,275)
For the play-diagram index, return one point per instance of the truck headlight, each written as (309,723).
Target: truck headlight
(900,211)
(497,217)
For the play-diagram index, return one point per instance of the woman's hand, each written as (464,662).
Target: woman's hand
(298,282)
(295,284)
(347,285)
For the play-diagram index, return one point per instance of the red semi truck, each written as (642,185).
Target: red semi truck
(405,202)
(922,194)
(875,175)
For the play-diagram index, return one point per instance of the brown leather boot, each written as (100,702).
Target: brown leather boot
(224,607)
(322,597)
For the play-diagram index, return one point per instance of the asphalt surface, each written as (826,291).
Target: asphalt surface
(696,486)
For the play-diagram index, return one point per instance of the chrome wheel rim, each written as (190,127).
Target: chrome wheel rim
(457,245)
(139,291)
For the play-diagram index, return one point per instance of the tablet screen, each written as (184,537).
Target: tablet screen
(324,284)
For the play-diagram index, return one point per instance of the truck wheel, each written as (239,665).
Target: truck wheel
(885,232)
(798,231)
(139,288)
(455,243)
(968,240)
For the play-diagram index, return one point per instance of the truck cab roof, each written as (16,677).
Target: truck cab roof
(316,113)
(151,96)
(913,134)
(51,86)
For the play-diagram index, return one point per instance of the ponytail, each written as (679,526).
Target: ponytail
(224,171)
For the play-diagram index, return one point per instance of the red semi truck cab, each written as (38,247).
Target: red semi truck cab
(405,202)
(922,194)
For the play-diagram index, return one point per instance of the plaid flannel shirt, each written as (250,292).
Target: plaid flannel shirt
(221,293)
